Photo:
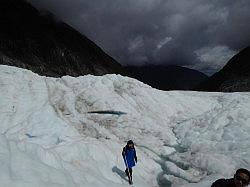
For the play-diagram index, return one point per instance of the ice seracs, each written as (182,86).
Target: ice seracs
(70,132)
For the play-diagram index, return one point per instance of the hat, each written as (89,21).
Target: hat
(130,142)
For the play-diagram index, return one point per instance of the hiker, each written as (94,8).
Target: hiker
(241,179)
(130,158)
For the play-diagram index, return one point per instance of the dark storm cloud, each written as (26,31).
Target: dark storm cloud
(195,33)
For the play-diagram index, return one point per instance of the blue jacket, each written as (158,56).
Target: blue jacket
(129,156)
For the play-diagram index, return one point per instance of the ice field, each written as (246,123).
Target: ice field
(70,132)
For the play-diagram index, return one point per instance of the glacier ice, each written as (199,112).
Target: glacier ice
(52,136)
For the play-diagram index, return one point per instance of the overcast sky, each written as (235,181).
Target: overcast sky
(201,34)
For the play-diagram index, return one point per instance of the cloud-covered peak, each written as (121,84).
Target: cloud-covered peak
(159,31)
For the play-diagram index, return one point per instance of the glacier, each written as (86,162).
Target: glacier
(70,132)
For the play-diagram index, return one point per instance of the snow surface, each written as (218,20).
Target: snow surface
(48,138)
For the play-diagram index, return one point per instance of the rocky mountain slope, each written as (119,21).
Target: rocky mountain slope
(234,77)
(167,77)
(38,41)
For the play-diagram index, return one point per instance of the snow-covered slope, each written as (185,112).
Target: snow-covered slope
(70,132)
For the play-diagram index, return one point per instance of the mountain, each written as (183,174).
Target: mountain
(167,77)
(58,132)
(38,41)
(234,77)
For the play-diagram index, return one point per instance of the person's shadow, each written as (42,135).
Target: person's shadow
(121,173)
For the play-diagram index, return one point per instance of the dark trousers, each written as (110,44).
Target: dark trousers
(129,173)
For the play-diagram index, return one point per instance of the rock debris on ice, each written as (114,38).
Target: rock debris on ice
(70,132)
